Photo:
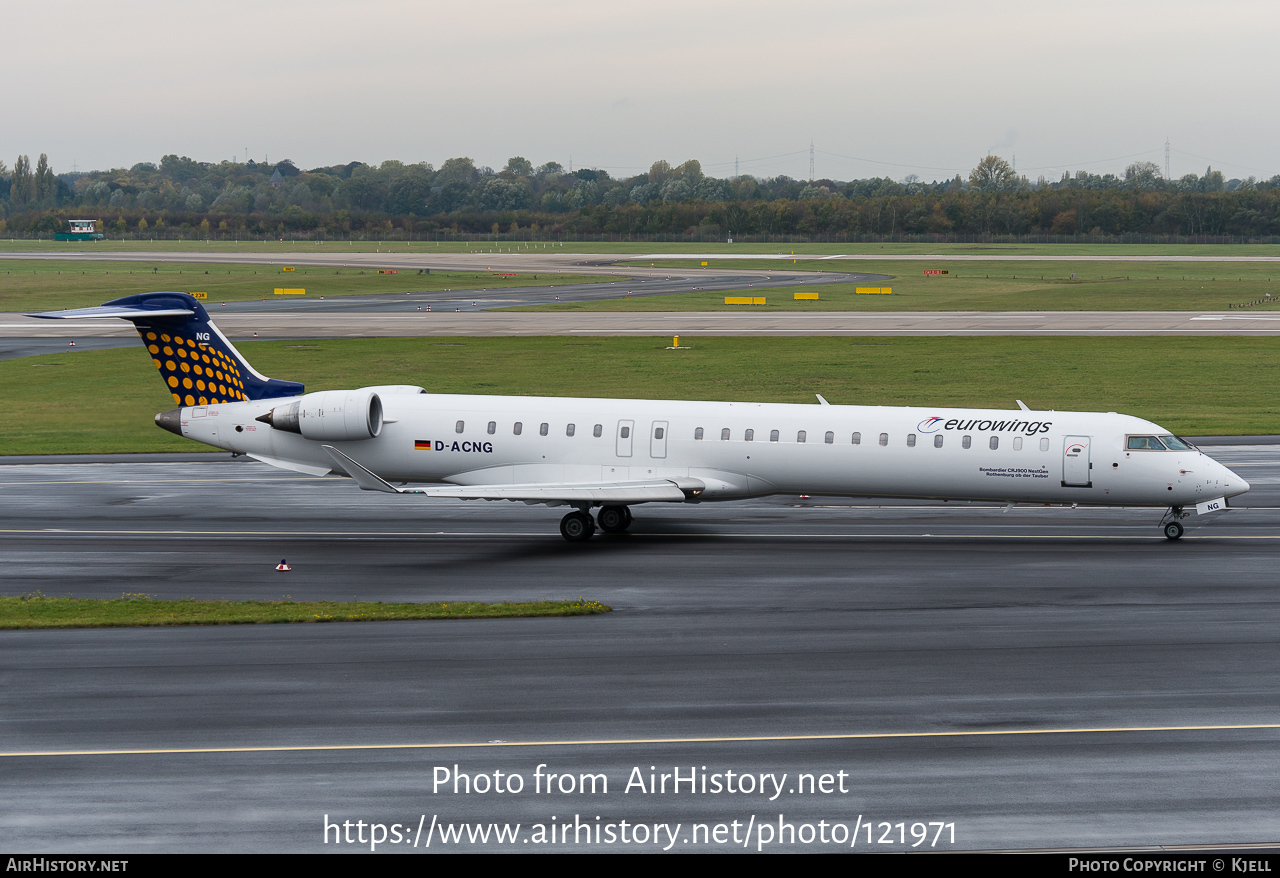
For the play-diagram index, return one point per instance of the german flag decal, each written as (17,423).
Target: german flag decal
(422,445)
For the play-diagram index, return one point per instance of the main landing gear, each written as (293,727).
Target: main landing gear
(1172,525)
(579,526)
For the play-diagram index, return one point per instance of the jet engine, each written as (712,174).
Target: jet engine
(332,415)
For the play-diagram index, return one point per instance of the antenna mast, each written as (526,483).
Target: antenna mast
(810,159)
(1166,157)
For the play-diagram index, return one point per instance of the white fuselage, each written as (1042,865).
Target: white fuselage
(1016,456)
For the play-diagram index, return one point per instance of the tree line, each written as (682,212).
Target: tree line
(181,197)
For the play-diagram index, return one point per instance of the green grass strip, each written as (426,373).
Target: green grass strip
(105,401)
(138,610)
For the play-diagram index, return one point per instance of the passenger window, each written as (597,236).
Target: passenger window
(966,442)
(994,443)
(697,433)
(597,431)
(625,433)
(657,433)
(493,427)
(884,438)
(543,428)
(773,435)
(857,438)
(911,440)
(830,438)
(568,430)
(749,436)
(1017,443)
(517,428)
(1044,444)
(457,428)
(800,436)
(937,441)
(724,434)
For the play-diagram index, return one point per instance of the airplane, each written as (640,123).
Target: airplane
(607,455)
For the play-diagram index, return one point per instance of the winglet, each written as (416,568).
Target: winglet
(1022,405)
(821,400)
(366,479)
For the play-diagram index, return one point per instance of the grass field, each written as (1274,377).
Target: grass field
(135,610)
(33,285)
(719,247)
(988,286)
(104,401)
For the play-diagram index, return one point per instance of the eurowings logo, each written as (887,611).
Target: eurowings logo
(929,425)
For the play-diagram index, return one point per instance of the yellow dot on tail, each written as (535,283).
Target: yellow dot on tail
(151,336)
(186,382)
(173,382)
(191,400)
(157,362)
(177,398)
(153,349)
(199,385)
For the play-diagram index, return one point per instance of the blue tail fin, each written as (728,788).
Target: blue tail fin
(199,364)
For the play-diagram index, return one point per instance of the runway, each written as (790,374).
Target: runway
(20,335)
(1042,677)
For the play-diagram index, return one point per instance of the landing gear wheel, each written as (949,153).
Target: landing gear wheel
(614,519)
(1173,530)
(577,527)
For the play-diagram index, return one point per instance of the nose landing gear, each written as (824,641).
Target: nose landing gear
(1172,525)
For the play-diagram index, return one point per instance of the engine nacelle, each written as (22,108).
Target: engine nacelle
(330,415)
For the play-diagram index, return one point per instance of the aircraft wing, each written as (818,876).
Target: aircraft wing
(651,491)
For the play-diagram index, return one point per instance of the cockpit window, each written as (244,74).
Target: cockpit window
(1175,443)
(1145,443)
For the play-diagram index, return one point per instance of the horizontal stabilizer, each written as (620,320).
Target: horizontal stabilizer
(651,491)
(126,312)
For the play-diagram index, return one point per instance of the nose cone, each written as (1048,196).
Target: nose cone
(1232,484)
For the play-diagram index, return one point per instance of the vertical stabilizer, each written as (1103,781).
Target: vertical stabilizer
(199,365)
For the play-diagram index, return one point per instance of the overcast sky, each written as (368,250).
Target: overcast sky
(881,88)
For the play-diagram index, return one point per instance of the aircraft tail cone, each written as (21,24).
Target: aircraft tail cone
(283,567)
(171,421)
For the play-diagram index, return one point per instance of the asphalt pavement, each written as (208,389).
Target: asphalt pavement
(1038,677)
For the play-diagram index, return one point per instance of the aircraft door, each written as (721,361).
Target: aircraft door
(658,440)
(625,429)
(1075,462)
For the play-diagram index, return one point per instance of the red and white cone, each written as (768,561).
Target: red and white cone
(73,344)
(283,566)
